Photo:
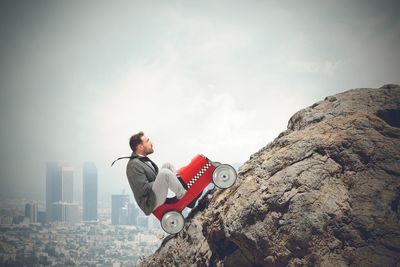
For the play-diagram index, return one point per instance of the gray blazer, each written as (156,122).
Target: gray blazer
(141,178)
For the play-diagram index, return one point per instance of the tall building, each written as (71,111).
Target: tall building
(123,215)
(65,212)
(72,212)
(41,217)
(89,192)
(67,184)
(31,212)
(53,187)
(119,209)
(133,213)
(59,189)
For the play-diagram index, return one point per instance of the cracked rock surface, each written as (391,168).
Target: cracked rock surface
(325,192)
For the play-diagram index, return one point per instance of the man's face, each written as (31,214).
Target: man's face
(147,145)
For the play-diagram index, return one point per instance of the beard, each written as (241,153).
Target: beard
(150,151)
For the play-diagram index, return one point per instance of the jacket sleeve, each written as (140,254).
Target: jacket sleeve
(139,180)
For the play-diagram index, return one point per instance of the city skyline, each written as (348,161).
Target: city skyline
(77,171)
(27,239)
(60,206)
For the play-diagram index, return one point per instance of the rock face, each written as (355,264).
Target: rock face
(326,192)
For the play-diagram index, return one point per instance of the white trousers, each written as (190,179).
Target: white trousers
(166,179)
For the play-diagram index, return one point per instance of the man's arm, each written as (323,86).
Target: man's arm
(138,179)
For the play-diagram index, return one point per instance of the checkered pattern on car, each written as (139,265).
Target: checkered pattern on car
(198,175)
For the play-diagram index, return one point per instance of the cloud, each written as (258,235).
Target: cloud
(157,98)
(324,67)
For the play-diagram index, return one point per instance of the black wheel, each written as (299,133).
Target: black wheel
(224,176)
(172,222)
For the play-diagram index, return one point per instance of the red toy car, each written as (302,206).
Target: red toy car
(196,176)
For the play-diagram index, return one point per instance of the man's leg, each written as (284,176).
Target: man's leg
(166,179)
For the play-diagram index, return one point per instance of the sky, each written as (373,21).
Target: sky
(219,78)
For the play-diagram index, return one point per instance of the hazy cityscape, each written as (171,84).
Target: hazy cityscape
(63,232)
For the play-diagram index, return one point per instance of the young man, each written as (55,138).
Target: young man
(150,185)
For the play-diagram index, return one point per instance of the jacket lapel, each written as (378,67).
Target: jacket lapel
(144,160)
(155,167)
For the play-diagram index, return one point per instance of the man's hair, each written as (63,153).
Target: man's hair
(135,140)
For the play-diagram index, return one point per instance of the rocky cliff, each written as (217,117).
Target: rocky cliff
(325,192)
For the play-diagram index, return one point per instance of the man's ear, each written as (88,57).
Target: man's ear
(138,148)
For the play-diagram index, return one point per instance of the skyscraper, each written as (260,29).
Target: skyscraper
(53,187)
(31,212)
(59,189)
(133,213)
(65,212)
(89,192)
(119,209)
(67,184)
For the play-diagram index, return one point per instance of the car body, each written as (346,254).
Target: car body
(195,176)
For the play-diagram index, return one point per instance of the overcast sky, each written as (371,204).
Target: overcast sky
(220,78)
